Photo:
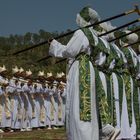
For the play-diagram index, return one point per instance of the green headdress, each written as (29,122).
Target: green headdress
(84,13)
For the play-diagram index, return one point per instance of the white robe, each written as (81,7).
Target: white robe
(2,114)
(5,121)
(77,129)
(28,113)
(63,95)
(128,130)
(116,89)
(48,106)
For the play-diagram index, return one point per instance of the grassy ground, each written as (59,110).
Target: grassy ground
(45,134)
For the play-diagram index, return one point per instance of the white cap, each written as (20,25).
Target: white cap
(15,70)
(58,75)
(107,27)
(87,16)
(3,68)
(28,72)
(132,38)
(41,73)
(49,74)
(21,69)
(62,74)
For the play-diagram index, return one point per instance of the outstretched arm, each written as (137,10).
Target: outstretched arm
(74,46)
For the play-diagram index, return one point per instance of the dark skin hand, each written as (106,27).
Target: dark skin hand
(50,40)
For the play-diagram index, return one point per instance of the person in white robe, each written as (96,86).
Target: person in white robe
(48,105)
(21,98)
(27,88)
(35,115)
(63,96)
(62,102)
(6,107)
(81,107)
(53,105)
(14,106)
(44,94)
(115,64)
(1,110)
(128,117)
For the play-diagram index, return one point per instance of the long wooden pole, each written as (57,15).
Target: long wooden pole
(44,58)
(119,37)
(125,25)
(132,44)
(62,60)
(136,9)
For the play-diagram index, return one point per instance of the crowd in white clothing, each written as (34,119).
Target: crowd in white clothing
(27,105)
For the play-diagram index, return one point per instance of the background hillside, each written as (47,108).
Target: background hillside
(28,60)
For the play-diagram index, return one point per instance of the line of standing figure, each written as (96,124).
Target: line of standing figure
(26,105)
(103,97)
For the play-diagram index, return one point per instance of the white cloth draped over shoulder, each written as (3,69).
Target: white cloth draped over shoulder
(77,129)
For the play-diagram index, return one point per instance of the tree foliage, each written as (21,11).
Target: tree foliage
(28,60)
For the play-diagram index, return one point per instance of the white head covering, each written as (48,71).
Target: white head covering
(106,26)
(62,74)
(28,72)
(58,75)
(15,69)
(132,38)
(21,69)
(49,74)
(41,73)
(87,16)
(3,68)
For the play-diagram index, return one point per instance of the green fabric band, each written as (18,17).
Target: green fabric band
(85,14)
(136,106)
(84,86)
(105,115)
(128,95)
